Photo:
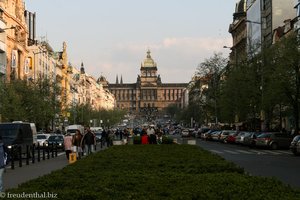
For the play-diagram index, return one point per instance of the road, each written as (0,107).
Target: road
(281,164)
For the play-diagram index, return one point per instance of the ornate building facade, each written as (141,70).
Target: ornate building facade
(148,93)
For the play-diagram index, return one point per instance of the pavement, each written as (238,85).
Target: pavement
(12,178)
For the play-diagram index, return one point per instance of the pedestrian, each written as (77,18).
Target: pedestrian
(88,141)
(3,159)
(111,136)
(104,137)
(76,141)
(145,139)
(68,144)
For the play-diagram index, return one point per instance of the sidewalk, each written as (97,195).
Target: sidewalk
(13,178)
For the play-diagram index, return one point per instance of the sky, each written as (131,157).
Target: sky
(112,37)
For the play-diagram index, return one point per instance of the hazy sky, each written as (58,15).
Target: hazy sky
(111,37)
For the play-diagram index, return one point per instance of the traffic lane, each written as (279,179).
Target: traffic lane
(284,166)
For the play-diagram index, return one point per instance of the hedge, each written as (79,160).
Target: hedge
(157,172)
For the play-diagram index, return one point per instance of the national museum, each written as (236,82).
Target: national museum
(148,92)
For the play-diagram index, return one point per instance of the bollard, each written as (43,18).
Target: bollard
(33,153)
(39,153)
(27,155)
(52,150)
(56,145)
(101,144)
(12,157)
(44,147)
(20,155)
(48,153)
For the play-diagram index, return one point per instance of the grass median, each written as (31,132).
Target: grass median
(157,172)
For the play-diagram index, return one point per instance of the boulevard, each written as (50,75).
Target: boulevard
(281,164)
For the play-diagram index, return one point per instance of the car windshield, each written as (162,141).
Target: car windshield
(55,138)
(41,137)
(8,135)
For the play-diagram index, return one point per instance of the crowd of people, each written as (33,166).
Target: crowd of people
(80,143)
(84,143)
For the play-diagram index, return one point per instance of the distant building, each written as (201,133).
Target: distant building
(148,93)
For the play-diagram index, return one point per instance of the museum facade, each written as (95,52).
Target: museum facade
(148,93)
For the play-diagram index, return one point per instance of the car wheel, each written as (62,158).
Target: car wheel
(274,146)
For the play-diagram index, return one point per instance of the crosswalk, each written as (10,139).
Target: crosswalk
(251,152)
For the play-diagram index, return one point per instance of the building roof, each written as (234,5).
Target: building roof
(148,61)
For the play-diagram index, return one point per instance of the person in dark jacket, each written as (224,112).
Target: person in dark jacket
(89,140)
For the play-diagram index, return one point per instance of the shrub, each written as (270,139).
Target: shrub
(157,172)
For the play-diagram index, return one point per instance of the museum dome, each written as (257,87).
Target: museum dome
(148,61)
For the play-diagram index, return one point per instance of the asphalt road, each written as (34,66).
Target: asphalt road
(281,164)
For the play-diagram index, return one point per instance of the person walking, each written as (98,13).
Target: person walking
(88,140)
(76,141)
(3,158)
(68,144)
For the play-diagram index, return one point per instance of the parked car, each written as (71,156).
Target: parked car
(42,139)
(224,134)
(231,137)
(202,130)
(274,140)
(250,139)
(295,145)
(215,136)
(208,135)
(56,139)
(241,137)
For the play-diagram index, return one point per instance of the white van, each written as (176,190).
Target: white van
(72,129)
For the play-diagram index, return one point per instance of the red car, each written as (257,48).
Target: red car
(231,137)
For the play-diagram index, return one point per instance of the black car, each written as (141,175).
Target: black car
(56,139)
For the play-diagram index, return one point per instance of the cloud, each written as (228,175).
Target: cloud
(177,58)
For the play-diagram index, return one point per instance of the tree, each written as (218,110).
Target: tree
(284,82)
(210,71)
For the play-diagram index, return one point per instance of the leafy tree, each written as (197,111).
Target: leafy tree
(211,70)
(283,87)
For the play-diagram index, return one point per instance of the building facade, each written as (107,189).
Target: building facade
(239,35)
(13,39)
(263,17)
(148,94)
